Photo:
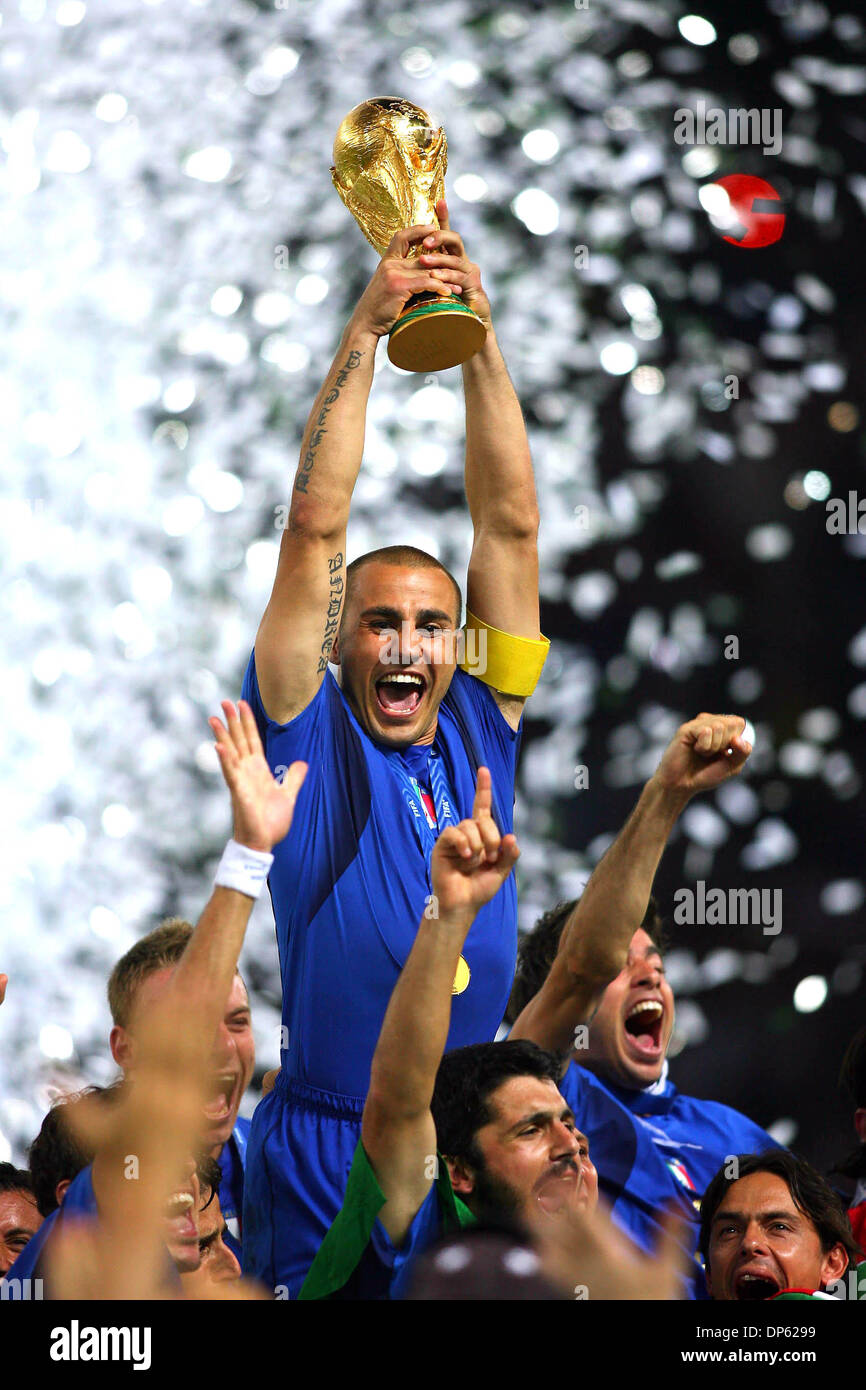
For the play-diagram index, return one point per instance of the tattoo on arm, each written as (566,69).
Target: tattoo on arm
(320,428)
(335,601)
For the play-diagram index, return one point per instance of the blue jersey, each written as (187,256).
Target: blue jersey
(351,881)
(655,1148)
(79,1201)
(349,885)
(357,1259)
(232,1161)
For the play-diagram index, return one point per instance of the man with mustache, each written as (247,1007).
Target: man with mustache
(393,735)
(479,1134)
(772,1228)
(591,985)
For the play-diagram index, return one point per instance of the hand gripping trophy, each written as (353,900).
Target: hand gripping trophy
(389,170)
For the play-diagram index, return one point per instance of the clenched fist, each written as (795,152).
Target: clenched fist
(445,255)
(398,276)
(704,753)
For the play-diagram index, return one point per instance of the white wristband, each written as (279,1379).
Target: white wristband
(243,869)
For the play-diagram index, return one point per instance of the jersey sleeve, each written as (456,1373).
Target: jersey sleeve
(300,732)
(357,1258)
(304,737)
(427,1226)
(345,1244)
(479,698)
(489,739)
(310,736)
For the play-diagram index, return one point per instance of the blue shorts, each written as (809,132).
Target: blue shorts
(300,1151)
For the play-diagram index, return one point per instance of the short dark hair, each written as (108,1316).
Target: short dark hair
(209,1175)
(57,1153)
(14,1179)
(467,1078)
(809,1192)
(537,951)
(405,556)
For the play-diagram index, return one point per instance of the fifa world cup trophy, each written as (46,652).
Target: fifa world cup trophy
(389,170)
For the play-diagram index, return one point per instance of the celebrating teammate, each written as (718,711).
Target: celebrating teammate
(393,747)
(771,1228)
(600,960)
(479,1135)
(182,1024)
(136,983)
(493,1109)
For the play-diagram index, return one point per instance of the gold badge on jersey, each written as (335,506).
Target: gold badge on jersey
(462,978)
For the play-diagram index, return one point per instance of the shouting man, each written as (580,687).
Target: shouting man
(591,984)
(393,741)
(771,1228)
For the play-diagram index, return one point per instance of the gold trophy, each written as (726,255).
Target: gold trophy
(389,170)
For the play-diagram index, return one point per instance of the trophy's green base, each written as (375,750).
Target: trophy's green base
(435,333)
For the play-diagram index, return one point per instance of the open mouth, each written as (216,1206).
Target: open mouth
(178,1204)
(219,1106)
(178,1211)
(643,1026)
(400,694)
(754,1288)
(559,1184)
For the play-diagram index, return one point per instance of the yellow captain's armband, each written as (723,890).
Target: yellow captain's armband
(511,665)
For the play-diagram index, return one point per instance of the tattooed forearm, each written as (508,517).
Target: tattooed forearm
(320,427)
(335,599)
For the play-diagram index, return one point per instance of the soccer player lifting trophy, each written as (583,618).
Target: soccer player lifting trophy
(389,170)
(360,672)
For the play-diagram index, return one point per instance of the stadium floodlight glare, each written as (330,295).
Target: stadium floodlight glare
(695,29)
(810,994)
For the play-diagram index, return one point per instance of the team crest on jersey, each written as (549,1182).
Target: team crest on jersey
(425,802)
(680,1173)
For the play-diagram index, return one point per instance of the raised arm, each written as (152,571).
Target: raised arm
(262,812)
(595,939)
(159,1118)
(297,630)
(502,583)
(159,1115)
(469,864)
